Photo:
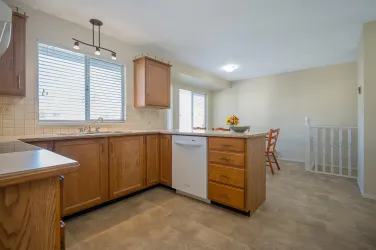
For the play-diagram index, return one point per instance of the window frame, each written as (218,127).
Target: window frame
(198,94)
(87,121)
(193,93)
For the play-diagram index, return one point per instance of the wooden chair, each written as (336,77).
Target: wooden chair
(199,128)
(221,129)
(270,148)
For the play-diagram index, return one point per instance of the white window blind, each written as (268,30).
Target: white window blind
(74,87)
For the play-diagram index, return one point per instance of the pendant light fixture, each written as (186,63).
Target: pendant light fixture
(98,48)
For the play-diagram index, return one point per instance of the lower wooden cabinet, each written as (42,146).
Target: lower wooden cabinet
(166,160)
(127,165)
(152,160)
(43,144)
(89,185)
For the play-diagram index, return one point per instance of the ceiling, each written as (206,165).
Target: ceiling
(263,37)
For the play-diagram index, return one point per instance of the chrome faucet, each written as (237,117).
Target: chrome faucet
(97,128)
(88,129)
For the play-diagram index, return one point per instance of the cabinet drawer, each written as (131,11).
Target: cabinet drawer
(226,175)
(227,158)
(232,144)
(226,195)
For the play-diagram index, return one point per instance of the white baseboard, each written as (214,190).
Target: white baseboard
(287,159)
(369,196)
(360,187)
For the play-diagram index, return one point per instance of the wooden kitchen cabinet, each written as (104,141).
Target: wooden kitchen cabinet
(127,165)
(12,62)
(89,185)
(43,144)
(166,160)
(151,83)
(152,160)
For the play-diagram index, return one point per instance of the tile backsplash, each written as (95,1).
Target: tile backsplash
(19,116)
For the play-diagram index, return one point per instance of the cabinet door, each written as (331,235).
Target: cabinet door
(19,41)
(157,84)
(166,161)
(12,62)
(152,160)
(89,185)
(127,168)
(7,69)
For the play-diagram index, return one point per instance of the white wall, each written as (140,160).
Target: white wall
(367,104)
(19,116)
(327,95)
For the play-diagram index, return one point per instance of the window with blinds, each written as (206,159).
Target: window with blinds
(73,87)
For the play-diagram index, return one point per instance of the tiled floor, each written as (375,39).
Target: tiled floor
(303,211)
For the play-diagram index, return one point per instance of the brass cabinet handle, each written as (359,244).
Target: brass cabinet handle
(224,196)
(224,158)
(225,176)
(226,145)
(19,81)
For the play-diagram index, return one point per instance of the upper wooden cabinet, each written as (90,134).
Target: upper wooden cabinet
(127,165)
(89,185)
(151,83)
(12,62)
(166,160)
(152,160)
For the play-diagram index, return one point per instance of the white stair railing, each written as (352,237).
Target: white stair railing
(332,150)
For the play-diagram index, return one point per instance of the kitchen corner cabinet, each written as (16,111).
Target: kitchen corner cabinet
(12,62)
(127,165)
(152,160)
(166,160)
(151,83)
(89,185)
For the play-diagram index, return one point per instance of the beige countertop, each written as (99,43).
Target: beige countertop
(22,162)
(55,137)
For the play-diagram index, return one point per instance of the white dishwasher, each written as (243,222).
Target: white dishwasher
(189,166)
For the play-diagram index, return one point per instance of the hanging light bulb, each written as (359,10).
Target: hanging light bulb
(76,45)
(97,51)
(113,56)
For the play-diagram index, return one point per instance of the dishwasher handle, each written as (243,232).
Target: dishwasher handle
(192,144)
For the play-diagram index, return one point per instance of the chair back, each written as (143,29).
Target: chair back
(272,139)
(221,129)
(199,128)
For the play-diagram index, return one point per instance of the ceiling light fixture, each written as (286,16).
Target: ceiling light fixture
(229,67)
(98,23)
(76,45)
(97,51)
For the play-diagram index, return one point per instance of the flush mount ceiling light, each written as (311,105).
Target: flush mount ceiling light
(229,67)
(98,47)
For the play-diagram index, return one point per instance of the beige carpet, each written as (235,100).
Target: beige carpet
(303,211)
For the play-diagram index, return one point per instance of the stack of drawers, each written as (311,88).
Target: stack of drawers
(227,171)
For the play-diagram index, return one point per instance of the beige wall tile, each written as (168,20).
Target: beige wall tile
(29,131)
(8,123)
(47,131)
(19,123)
(8,131)
(19,131)
(29,123)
